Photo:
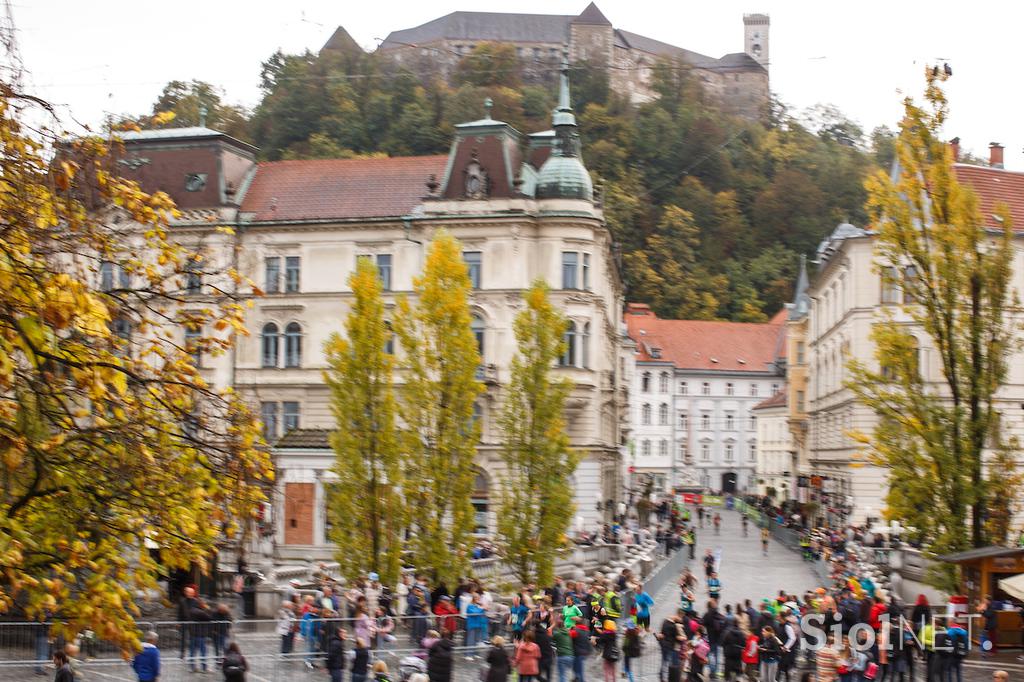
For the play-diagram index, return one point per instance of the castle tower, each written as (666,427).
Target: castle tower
(591,37)
(755,37)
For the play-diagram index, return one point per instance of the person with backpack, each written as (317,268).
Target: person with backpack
(631,647)
(700,652)
(959,647)
(770,651)
(733,643)
(234,665)
(608,644)
(791,643)
(581,649)
(669,638)
(714,625)
(498,664)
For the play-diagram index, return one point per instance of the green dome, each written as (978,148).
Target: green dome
(564,177)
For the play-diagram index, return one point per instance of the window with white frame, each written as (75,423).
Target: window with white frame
(663,382)
(730,388)
(684,421)
(663,414)
(705,388)
(705,421)
(663,448)
(569,357)
(729,452)
(684,388)
(293,345)
(684,451)
(775,389)
(645,414)
(645,448)
(753,390)
(645,382)
(730,421)
(705,452)
(752,450)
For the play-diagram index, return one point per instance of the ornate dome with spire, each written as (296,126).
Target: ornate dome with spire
(563,175)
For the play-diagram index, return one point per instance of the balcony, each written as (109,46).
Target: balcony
(488,374)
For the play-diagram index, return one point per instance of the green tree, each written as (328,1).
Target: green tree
(490,64)
(194,101)
(366,503)
(933,242)
(436,406)
(536,498)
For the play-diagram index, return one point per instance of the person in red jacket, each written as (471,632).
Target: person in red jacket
(751,656)
(445,611)
(877,611)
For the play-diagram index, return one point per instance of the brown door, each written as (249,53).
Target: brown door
(299,502)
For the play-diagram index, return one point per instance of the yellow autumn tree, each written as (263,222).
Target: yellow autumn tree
(936,434)
(366,502)
(111,442)
(440,364)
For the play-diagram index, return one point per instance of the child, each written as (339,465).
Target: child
(380,672)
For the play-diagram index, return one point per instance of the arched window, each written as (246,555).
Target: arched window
(663,414)
(478,327)
(271,345)
(645,414)
(585,346)
(293,345)
(663,382)
(645,382)
(569,356)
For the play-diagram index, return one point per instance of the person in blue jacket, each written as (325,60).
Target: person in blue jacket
(147,662)
(642,602)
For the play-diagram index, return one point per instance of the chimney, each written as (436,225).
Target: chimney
(954,147)
(995,155)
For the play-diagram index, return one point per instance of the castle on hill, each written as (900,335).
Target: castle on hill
(738,80)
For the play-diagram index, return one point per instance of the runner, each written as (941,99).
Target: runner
(718,523)
(764,541)
(709,564)
(714,586)
(700,516)
(745,522)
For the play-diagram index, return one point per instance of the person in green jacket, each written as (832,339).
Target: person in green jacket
(571,613)
(563,651)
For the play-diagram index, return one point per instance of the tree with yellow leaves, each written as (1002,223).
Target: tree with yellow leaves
(935,437)
(536,495)
(436,406)
(111,442)
(366,503)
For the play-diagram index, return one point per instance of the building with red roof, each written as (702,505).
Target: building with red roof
(695,386)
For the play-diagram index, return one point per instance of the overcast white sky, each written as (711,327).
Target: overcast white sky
(99,56)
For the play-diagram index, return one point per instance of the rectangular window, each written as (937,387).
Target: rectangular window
(752,422)
(268,415)
(684,452)
(753,452)
(800,401)
(384,270)
(474,262)
(684,421)
(730,421)
(570,267)
(291,416)
(705,421)
(910,284)
(730,389)
(684,389)
(272,275)
(192,335)
(753,390)
(705,388)
(705,452)
(775,389)
(193,277)
(586,272)
(291,274)
(106,276)
(728,453)
(800,351)
(890,285)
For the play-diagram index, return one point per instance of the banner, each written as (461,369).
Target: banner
(713,500)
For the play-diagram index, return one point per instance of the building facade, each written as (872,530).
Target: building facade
(847,297)
(775,469)
(739,80)
(522,209)
(694,388)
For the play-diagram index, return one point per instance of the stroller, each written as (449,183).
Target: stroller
(409,666)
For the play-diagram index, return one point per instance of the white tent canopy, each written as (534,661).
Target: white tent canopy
(1013,586)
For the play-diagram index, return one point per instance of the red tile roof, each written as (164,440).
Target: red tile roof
(324,189)
(777,400)
(994,186)
(702,344)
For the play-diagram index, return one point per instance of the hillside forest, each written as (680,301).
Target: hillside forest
(709,212)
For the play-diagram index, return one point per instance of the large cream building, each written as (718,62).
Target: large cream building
(522,208)
(847,298)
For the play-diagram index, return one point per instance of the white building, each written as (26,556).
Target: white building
(776,457)
(848,297)
(523,209)
(694,388)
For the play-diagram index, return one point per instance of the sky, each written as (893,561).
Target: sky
(92,57)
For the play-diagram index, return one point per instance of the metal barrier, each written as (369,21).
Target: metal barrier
(667,572)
